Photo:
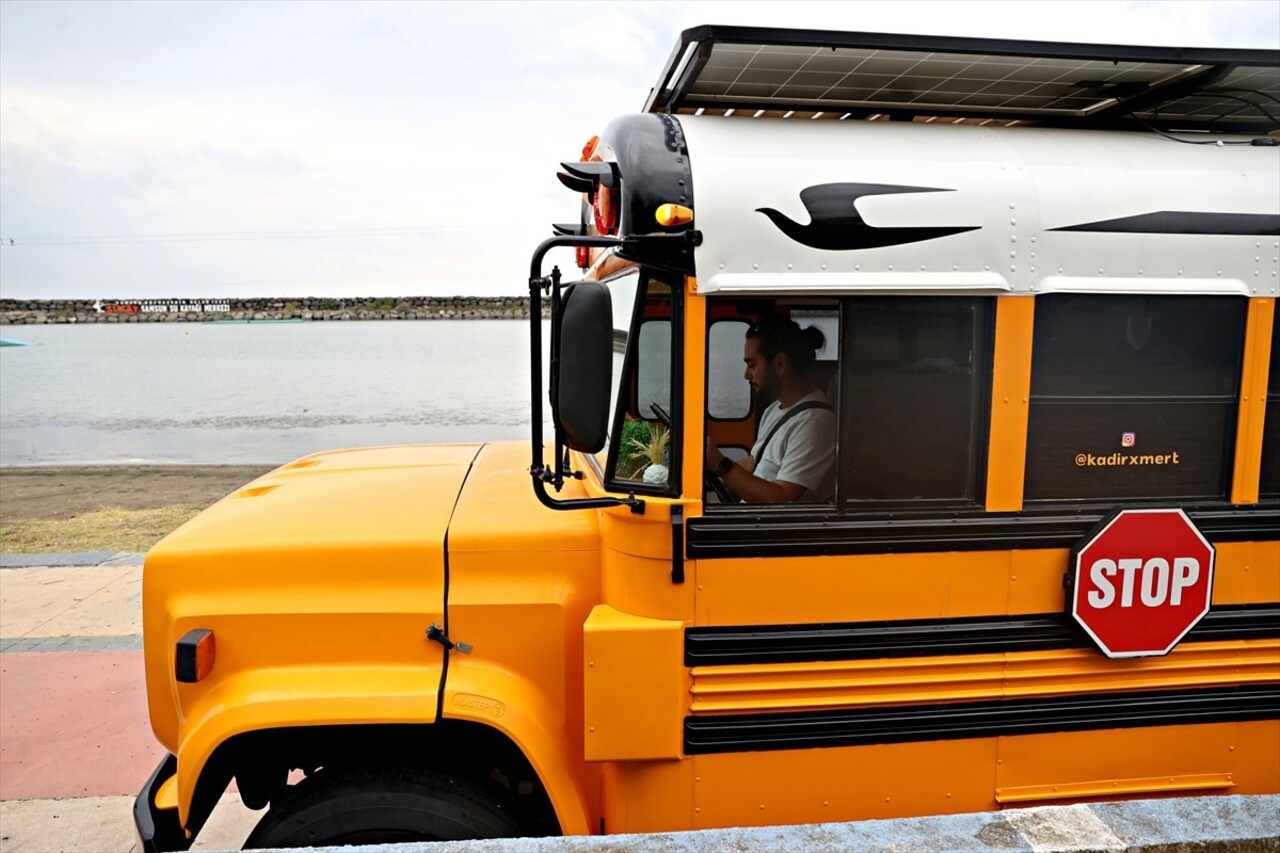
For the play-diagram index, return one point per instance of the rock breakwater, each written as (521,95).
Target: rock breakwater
(20,312)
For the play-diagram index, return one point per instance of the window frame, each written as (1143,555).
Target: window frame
(1230,404)
(983,342)
(1270,451)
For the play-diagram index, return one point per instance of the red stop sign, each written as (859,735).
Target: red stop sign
(1141,581)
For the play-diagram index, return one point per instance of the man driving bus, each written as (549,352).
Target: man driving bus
(793,458)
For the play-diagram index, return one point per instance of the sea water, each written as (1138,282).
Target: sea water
(257,393)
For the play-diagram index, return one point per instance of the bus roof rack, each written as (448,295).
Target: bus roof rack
(831,75)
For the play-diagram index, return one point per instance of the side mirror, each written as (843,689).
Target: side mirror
(582,365)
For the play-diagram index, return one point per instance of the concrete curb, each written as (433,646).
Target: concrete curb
(1247,824)
(83,559)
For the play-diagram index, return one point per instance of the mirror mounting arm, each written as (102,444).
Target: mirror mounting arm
(555,474)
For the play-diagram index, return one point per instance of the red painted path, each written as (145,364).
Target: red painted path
(74,724)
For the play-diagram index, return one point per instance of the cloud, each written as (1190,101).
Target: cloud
(382,148)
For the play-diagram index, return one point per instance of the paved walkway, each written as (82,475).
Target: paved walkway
(75,742)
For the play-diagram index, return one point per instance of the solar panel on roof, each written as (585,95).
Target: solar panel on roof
(753,71)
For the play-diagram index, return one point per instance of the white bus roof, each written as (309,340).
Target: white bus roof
(886,207)
(808,74)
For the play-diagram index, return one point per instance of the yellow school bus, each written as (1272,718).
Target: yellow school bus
(994,520)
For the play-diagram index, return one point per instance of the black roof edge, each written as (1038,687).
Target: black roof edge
(660,95)
(1002,47)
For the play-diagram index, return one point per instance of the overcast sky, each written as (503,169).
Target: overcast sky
(205,149)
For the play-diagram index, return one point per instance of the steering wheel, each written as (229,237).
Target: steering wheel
(709,480)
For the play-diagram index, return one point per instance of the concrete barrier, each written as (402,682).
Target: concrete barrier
(38,312)
(1241,824)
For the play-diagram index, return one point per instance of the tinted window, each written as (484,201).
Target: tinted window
(1133,396)
(914,376)
(1270,482)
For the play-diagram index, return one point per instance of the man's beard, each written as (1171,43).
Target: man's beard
(763,394)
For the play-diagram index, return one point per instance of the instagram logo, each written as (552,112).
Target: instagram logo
(1128,439)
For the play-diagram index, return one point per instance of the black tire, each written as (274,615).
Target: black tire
(376,806)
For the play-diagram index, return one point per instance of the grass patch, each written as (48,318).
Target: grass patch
(103,529)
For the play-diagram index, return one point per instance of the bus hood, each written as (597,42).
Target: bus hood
(331,560)
(340,503)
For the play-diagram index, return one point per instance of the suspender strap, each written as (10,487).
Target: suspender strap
(791,413)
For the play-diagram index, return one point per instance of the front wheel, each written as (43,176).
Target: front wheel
(335,807)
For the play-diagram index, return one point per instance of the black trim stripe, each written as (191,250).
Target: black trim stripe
(795,532)
(770,644)
(958,720)
(1186,222)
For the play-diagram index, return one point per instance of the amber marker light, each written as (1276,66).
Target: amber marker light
(673,214)
(193,659)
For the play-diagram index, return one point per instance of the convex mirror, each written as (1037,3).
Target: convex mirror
(581,366)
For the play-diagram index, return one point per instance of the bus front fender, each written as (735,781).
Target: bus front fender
(499,698)
(280,698)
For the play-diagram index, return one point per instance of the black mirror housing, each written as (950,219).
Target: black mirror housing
(581,366)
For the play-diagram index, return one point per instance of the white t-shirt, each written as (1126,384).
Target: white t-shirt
(803,451)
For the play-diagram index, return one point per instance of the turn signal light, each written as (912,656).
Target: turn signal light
(673,214)
(193,659)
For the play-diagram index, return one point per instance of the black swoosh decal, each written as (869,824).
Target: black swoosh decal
(1186,222)
(836,224)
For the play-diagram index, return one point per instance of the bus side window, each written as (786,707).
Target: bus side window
(1133,396)
(913,399)
(734,411)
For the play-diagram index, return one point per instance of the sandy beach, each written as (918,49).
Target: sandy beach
(57,493)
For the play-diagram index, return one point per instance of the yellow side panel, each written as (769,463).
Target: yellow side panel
(1035,580)
(1202,759)
(841,784)
(647,796)
(1246,573)
(853,589)
(635,686)
(1253,401)
(1010,392)
(1256,748)
(931,586)
(982,774)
